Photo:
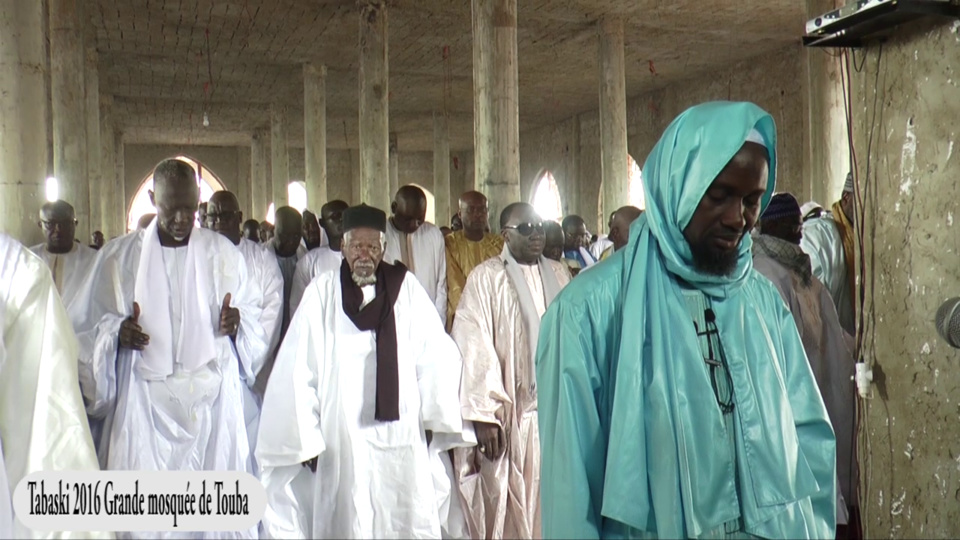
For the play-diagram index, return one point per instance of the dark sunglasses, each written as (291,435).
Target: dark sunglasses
(526,229)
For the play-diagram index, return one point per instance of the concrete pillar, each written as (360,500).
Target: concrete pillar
(394,157)
(259,176)
(374,108)
(23,109)
(315,134)
(111,214)
(241,186)
(613,118)
(355,183)
(279,158)
(67,64)
(826,159)
(91,81)
(120,180)
(441,170)
(496,131)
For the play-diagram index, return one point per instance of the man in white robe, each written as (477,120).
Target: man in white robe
(829,241)
(363,400)
(777,255)
(159,321)
(496,329)
(224,216)
(576,239)
(286,248)
(324,258)
(43,426)
(68,261)
(418,245)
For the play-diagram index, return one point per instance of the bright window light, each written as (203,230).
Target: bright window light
(52,189)
(546,199)
(271,213)
(637,197)
(297,195)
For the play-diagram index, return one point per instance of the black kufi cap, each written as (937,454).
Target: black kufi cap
(369,217)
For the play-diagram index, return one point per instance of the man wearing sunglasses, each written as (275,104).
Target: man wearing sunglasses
(675,397)
(496,328)
(68,260)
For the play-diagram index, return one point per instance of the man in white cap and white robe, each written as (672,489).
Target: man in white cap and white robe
(159,320)
(43,426)
(497,327)
(830,242)
(363,399)
(69,261)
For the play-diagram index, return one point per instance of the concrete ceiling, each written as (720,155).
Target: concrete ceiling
(153,58)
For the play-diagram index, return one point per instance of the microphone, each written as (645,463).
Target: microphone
(709,316)
(948,322)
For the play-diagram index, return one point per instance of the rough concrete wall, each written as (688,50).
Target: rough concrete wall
(770,80)
(139,161)
(296,157)
(461,174)
(911,436)
(415,168)
(556,149)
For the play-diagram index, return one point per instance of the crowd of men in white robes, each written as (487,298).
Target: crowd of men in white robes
(317,353)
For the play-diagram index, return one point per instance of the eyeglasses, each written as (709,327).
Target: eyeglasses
(715,362)
(50,225)
(526,229)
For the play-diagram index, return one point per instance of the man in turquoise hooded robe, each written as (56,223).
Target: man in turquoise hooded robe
(675,397)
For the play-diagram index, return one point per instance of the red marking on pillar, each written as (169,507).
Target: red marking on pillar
(446,52)
(652,68)
(456,163)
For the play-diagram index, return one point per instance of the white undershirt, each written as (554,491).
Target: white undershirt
(531,274)
(174,261)
(369,294)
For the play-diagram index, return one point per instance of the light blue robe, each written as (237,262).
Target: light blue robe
(629,423)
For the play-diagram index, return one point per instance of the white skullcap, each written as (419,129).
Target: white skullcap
(755,137)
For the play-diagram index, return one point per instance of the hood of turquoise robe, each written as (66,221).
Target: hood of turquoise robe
(651,464)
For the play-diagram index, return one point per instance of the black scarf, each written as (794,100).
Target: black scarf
(378,316)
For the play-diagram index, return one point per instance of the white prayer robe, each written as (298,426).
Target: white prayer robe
(823,243)
(68,269)
(43,426)
(265,277)
(429,260)
(829,350)
(374,479)
(314,263)
(189,420)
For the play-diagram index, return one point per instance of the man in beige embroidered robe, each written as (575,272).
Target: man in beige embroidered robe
(496,328)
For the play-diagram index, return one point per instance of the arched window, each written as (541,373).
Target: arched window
(546,197)
(296,196)
(209,183)
(637,198)
(431,205)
